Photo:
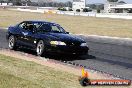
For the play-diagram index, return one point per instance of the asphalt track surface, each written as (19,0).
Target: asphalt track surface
(122,68)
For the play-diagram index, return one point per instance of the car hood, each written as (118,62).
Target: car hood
(66,37)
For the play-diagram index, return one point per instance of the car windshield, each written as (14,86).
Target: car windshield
(49,27)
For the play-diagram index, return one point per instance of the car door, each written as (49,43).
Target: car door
(22,33)
(29,35)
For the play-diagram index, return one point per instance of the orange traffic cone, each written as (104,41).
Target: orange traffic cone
(84,80)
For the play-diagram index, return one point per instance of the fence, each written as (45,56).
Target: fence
(93,14)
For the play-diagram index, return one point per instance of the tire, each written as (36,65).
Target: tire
(40,48)
(12,42)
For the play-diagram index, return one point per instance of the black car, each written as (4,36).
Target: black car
(45,37)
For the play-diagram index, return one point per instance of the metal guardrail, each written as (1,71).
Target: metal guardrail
(93,14)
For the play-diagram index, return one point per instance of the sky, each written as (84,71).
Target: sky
(98,1)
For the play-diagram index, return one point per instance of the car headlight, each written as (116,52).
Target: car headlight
(57,43)
(83,44)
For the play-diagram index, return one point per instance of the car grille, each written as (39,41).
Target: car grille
(73,44)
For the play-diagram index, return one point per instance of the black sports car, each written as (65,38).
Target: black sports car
(45,37)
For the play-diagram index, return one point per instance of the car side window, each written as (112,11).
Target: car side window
(30,26)
(45,28)
(55,28)
(22,25)
(26,26)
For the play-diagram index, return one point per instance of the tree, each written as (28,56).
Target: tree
(16,2)
(93,6)
(1,2)
(68,4)
(122,2)
(96,6)
(112,0)
(100,7)
(28,2)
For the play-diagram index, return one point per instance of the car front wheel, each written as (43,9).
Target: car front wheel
(40,48)
(11,42)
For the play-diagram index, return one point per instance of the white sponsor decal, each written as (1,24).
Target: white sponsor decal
(25,33)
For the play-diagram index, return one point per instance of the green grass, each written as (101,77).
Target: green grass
(16,73)
(74,24)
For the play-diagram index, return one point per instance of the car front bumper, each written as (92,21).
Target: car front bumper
(77,50)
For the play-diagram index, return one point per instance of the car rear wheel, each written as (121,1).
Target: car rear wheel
(40,48)
(11,42)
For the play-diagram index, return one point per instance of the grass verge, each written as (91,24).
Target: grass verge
(16,73)
(74,24)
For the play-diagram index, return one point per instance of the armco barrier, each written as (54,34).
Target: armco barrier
(29,10)
(101,15)
(113,46)
(123,16)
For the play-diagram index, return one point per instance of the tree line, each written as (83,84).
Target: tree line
(41,4)
(54,4)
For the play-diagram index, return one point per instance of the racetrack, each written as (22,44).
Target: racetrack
(121,68)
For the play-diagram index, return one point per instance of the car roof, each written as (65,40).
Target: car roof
(40,22)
